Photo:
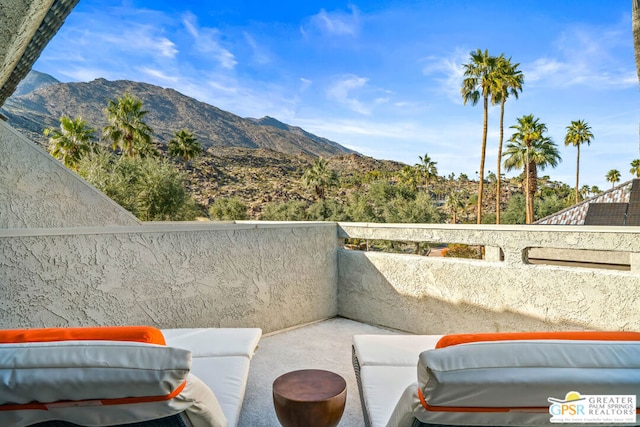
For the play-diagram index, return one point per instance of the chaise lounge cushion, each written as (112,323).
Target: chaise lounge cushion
(516,378)
(96,383)
(392,350)
(460,375)
(134,381)
(221,358)
(385,365)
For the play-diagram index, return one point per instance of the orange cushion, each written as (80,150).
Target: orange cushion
(455,339)
(144,334)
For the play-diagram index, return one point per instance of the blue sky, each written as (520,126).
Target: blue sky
(382,77)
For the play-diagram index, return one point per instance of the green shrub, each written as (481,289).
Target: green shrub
(326,210)
(228,209)
(285,211)
(148,187)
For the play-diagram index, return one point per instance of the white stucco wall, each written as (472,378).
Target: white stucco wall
(169,275)
(443,295)
(36,191)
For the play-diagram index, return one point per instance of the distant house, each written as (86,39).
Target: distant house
(617,206)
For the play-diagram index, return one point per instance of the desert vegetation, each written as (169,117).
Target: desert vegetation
(180,180)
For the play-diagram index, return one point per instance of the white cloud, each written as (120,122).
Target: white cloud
(448,72)
(542,68)
(260,54)
(585,56)
(141,38)
(222,86)
(336,23)
(305,84)
(341,91)
(206,41)
(166,47)
(159,75)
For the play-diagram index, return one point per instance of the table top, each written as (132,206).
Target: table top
(309,385)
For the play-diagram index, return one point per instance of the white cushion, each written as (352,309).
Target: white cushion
(227,377)
(515,374)
(75,379)
(77,370)
(221,359)
(382,387)
(205,410)
(393,350)
(203,342)
(403,413)
(387,368)
(497,373)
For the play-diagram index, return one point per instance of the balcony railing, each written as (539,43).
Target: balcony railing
(279,275)
(500,293)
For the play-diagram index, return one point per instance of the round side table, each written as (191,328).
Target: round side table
(309,398)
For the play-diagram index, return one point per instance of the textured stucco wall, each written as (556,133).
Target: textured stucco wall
(36,191)
(187,275)
(19,21)
(444,295)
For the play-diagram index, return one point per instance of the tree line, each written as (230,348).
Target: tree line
(127,166)
(494,79)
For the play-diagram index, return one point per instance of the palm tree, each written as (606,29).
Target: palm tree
(528,130)
(635,16)
(428,169)
(613,176)
(543,152)
(635,168)
(72,141)
(455,201)
(477,84)
(184,145)
(508,81)
(320,177)
(578,132)
(585,190)
(595,190)
(127,129)
(528,148)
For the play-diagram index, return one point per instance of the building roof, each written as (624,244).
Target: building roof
(619,205)
(26,26)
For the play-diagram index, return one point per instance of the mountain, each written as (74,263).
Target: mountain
(168,111)
(34,80)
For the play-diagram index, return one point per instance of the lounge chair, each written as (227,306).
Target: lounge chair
(133,376)
(489,379)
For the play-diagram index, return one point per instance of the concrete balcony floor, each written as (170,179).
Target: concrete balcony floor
(322,345)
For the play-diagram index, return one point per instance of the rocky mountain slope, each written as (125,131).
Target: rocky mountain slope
(261,176)
(257,161)
(40,101)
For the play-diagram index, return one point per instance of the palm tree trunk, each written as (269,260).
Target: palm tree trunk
(635,19)
(527,193)
(577,172)
(482,156)
(533,185)
(498,184)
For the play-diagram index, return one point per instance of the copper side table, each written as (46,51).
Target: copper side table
(309,398)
